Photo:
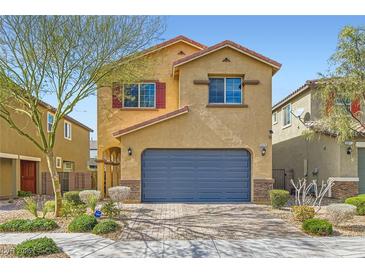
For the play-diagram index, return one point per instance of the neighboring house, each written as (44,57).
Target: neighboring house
(93,155)
(196,129)
(23,166)
(321,157)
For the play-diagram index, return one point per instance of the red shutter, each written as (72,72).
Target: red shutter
(116,96)
(160,95)
(355,106)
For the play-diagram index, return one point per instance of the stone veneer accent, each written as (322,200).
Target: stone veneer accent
(261,188)
(135,185)
(345,189)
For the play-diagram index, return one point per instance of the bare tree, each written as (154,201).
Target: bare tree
(64,57)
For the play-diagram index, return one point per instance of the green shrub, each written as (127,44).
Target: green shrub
(22,193)
(48,207)
(319,227)
(71,209)
(82,223)
(31,206)
(21,225)
(105,227)
(110,209)
(36,247)
(72,197)
(359,202)
(279,197)
(302,213)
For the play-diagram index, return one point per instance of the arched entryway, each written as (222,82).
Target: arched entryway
(110,164)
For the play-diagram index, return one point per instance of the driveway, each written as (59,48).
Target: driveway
(157,222)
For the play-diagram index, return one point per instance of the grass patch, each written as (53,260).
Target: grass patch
(22,225)
(36,247)
(105,227)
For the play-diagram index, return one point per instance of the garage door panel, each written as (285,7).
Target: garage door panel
(196,176)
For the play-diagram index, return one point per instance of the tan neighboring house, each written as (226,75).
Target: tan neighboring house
(322,157)
(196,129)
(23,166)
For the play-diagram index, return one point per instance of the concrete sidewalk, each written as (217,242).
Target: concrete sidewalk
(80,245)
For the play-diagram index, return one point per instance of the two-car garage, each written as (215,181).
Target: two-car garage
(196,175)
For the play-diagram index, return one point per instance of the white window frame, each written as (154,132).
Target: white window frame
(225,90)
(70,130)
(275,121)
(49,114)
(139,96)
(68,169)
(58,162)
(290,118)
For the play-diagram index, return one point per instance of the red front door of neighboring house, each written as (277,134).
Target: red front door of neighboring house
(28,176)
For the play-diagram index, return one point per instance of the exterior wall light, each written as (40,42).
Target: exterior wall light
(129,151)
(349,150)
(263,148)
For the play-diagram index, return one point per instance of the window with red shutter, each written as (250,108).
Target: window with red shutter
(355,106)
(160,95)
(116,96)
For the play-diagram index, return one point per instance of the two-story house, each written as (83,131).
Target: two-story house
(24,167)
(319,157)
(196,129)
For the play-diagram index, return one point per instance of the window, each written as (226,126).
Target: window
(68,166)
(287,115)
(274,118)
(342,101)
(225,90)
(50,119)
(58,162)
(67,130)
(140,95)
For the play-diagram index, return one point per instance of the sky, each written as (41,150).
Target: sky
(302,44)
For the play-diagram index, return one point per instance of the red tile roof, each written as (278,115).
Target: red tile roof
(172,41)
(151,122)
(225,43)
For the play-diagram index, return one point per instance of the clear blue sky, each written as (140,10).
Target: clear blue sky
(302,44)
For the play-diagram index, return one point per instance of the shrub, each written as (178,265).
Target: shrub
(110,209)
(119,193)
(22,193)
(90,198)
(72,197)
(72,209)
(48,207)
(359,202)
(21,225)
(302,213)
(339,213)
(36,247)
(31,206)
(105,227)
(82,223)
(317,227)
(279,197)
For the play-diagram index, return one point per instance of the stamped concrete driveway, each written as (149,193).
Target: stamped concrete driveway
(156,222)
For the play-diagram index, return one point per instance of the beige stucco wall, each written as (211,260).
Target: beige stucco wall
(160,68)
(205,127)
(296,128)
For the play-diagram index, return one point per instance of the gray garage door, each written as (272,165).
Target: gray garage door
(361,169)
(196,175)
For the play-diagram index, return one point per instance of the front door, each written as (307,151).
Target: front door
(361,170)
(28,175)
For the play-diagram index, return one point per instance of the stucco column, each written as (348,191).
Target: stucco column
(108,171)
(100,172)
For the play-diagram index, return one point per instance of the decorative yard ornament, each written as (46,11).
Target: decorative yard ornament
(97,214)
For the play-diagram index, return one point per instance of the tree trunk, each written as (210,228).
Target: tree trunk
(55,182)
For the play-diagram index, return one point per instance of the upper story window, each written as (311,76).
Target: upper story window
(225,90)
(139,95)
(67,130)
(50,120)
(274,118)
(287,115)
(343,102)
